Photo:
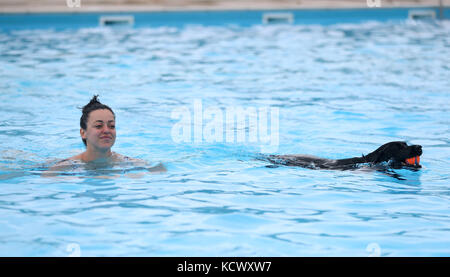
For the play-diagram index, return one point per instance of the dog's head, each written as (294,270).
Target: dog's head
(397,152)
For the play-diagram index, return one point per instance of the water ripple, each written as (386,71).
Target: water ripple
(342,90)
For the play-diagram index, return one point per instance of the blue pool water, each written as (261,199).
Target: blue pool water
(342,89)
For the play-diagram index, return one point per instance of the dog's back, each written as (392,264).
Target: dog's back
(395,152)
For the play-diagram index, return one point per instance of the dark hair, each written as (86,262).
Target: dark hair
(93,105)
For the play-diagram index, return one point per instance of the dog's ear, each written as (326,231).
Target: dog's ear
(397,150)
(385,152)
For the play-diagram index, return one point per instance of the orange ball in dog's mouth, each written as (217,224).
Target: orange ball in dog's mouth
(413,161)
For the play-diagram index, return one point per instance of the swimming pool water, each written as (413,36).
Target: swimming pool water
(341,90)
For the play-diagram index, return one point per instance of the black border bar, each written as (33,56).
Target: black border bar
(201,266)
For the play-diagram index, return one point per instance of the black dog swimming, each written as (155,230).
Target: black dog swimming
(395,153)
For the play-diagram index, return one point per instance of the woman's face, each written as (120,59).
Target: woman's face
(100,130)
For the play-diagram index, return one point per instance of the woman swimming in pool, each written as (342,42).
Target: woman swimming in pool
(98,132)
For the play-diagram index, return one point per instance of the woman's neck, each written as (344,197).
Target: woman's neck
(95,154)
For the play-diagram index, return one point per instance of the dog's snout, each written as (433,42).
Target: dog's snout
(418,149)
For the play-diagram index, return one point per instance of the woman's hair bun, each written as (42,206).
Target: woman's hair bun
(94,101)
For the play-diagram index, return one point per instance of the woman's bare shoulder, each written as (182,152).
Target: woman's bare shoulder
(69,161)
(122,158)
(62,165)
(64,162)
(159,168)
